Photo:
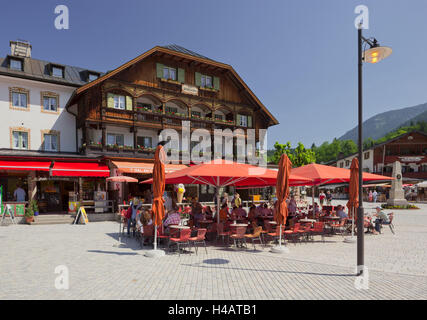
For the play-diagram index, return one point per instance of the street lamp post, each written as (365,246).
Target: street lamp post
(373,55)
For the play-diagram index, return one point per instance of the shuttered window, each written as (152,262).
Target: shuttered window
(244,120)
(20,140)
(120,102)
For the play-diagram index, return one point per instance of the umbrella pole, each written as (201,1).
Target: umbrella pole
(217,204)
(352,222)
(351,239)
(279,248)
(155,237)
(312,205)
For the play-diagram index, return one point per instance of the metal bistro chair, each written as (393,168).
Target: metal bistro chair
(239,236)
(199,239)
(222,233)
(148,233)
(256,235)
(293,233)
(389,223)
(184,238)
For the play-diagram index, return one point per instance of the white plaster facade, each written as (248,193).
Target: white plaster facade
(33,118)
(368,161)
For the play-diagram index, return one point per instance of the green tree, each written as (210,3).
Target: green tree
(299,156)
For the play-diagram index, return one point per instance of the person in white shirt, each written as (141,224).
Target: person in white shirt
(19,194)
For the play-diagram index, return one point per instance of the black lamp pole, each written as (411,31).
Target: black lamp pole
(360,213)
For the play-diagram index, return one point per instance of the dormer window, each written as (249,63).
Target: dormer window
(16,64)
(92,77)
(58,71)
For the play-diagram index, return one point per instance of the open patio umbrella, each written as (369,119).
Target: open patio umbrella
(158,190)
(353,201)
(282,193)
(122,179)
(320,174)
(221,173)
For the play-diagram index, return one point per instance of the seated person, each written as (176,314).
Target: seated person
(381,218)
(223,213)
(292,205)
(240,212)
(173,217)
(367,223)
(208,212)
(252,215)
(316,210)
(197,213)
(266,211)
(340,213)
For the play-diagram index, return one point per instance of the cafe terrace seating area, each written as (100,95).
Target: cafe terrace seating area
(239,231)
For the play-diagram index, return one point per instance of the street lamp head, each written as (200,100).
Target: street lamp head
(376,53)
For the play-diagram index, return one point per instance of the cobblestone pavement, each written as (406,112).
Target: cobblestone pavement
(99,270)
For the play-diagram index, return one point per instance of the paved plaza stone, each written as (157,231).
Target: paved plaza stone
(98,269)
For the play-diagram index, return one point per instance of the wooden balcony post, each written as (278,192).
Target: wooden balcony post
(104,137)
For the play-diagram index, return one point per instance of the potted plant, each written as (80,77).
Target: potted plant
(29,215)
(34,206)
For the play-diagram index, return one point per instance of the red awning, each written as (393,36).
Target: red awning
(80,169)
(144,168)
(25,165)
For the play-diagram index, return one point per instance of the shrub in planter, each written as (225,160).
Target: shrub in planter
(33,204)
(29,215)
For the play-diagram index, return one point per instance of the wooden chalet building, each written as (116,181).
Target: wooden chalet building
(120,114)
(410,149)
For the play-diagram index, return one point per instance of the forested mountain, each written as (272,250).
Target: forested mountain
(379,125)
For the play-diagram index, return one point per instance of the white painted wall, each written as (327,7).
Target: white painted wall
(367,163)
(34,119)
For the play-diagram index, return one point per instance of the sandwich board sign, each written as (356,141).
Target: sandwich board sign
(7,209)
(81,215)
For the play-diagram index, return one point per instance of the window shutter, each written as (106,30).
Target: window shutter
(249,121)
(198,79)
(181,75)
(159,67)
(129,102)
(216,83)
(238,120)
(110,100)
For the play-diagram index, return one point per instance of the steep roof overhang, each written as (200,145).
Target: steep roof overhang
(179,56)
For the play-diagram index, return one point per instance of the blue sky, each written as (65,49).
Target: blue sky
(298,56)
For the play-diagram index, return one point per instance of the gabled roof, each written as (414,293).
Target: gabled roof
(35,69)
(180,52)
(379,145)
(178,48)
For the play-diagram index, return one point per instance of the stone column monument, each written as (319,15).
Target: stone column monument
(397,196)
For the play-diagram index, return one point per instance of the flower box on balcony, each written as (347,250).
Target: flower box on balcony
(170,81)
(208,89)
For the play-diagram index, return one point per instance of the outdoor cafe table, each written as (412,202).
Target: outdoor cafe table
(305,220)
(331,218)
(235,225)
(174,226)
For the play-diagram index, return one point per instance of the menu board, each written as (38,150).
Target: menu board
(19,210)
